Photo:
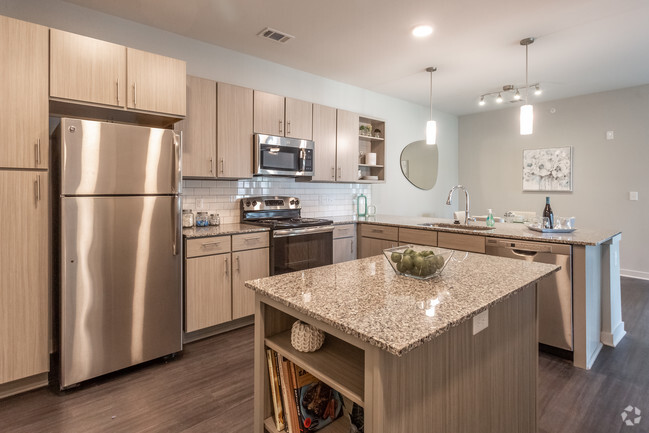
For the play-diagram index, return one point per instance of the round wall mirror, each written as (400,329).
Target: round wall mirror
(419,164)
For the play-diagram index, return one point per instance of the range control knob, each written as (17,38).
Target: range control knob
(297,202)
(248,203)
(254,203)
(292,202)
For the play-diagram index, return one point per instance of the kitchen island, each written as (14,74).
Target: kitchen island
(456,353)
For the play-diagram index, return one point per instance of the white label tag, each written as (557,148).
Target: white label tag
(481,321)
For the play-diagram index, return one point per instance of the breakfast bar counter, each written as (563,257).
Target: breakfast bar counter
(454,353)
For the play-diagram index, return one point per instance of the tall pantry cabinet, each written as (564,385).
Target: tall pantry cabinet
(24,208)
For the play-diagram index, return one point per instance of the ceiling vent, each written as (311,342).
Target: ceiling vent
(275,35)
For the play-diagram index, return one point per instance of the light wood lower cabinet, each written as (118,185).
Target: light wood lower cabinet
(24,274)
(462,242)
(417,237)
(374,238)
(248,265)
(208,291)
(216,269)
(24,130)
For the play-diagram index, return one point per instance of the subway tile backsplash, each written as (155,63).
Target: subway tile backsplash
(318,199)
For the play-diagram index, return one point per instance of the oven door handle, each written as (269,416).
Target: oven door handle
(302,231)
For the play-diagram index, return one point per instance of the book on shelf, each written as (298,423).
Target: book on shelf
(273,371)
(318,405)
(306,403)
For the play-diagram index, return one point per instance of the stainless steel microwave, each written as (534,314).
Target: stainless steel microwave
(282,156)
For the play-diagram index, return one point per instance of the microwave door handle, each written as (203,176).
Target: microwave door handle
(303,159)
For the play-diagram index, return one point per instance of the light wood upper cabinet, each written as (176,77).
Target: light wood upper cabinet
(24,133)
(286,117)
(299,119)
(324,135)
(155,83)
(24,274)
(247,265)
(268,113)
(234,116)
(347,146)
(199,129)
(87,69)
(208,291)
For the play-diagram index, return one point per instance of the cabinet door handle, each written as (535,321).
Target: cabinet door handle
(238,265)
(288,127)
(38,151)
(117,90)
(340,173)
(209,244)
(211,165)
(280,126)
(333,172)
(256,238)
(226,266)
(351,246)
(221,165)
(37,188)
(135,94)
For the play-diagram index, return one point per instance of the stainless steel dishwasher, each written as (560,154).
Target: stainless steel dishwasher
(554,293)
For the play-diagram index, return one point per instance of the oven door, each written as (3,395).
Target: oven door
(301,248)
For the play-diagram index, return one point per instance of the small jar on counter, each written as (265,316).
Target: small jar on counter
(202,219)
(215,219)
(188,218)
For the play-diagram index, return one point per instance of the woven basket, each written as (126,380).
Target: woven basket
(306,338)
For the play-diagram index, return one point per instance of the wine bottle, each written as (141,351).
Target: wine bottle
(547,213)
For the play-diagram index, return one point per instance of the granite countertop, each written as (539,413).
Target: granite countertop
(366,299)
(223,229)
(581,236)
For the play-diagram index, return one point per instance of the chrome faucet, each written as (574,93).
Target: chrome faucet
(466,193)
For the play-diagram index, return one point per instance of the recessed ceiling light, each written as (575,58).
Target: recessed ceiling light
(422,31)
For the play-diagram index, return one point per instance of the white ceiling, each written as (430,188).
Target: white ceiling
(582,46)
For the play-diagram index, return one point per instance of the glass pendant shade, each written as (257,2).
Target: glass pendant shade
(431,132)
(527,119)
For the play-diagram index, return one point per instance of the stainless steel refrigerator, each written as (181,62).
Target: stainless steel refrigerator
(120,239)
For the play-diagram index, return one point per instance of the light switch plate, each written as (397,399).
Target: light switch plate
(633,195)
(199,203)
(480,322)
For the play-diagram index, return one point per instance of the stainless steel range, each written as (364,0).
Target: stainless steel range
(296,243)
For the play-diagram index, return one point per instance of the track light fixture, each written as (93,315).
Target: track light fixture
(508,93)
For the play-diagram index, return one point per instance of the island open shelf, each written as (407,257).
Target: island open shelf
(338,364)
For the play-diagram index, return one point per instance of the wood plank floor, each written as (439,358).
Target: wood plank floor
(209,389)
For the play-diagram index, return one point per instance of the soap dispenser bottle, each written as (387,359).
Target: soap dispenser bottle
(490,219)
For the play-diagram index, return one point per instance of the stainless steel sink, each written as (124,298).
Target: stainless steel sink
(457,226)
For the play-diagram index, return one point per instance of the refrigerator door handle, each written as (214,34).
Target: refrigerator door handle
(176,231)
(178,141)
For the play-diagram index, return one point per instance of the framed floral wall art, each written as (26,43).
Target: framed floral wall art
(547,169)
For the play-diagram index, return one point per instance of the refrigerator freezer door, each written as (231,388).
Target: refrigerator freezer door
(120,283)
(100,158)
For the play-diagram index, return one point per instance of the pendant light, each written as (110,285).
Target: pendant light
(527,111)
(431,125)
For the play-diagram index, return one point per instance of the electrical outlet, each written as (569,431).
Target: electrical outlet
(610,135)
(199,203)
(481,322)
(633,195)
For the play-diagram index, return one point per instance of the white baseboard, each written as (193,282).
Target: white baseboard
(634,274)
(613,338)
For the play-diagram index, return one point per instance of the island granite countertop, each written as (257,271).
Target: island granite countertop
(581,236)
(220,230)
(366,299)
